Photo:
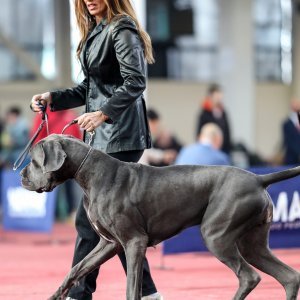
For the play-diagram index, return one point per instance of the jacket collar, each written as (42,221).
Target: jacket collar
(97,29)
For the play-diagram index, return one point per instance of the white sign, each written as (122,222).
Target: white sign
(282,212)
(25,204)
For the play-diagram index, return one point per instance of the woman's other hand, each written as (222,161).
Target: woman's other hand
(38,99)
(90,121)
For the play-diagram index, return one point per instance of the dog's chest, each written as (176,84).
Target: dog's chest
(101,230)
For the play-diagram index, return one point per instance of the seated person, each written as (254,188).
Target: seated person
(165,145)
(207,150)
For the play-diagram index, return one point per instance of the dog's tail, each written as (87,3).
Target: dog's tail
(268,179)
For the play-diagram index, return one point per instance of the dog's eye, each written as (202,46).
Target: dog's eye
(34,163)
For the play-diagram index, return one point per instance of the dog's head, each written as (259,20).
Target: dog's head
(43,173)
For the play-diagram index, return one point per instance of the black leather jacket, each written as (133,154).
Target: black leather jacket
(114,66)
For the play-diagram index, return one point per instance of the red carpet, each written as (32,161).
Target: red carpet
(33,265)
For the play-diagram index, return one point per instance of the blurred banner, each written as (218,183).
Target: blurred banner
(23,209)
(285,230)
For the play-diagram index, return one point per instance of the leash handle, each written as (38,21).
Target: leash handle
(43,108)
(25,152)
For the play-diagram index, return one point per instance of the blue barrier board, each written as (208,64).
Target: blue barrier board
(23,209)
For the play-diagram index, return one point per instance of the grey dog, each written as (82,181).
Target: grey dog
(132,207)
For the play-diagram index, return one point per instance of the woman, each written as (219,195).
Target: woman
(113,52)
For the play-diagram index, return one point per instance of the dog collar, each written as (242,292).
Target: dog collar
(83,161)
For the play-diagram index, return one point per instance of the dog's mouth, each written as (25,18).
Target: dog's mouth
(29,186)
(47,188)
(26,184)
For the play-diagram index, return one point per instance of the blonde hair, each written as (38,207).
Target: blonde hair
(115,8)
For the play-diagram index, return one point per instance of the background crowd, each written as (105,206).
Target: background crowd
(213,144)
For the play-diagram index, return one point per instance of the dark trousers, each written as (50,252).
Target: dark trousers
(87,239)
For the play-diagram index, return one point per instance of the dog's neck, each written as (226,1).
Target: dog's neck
(92,168)
(81,168)
(83,161)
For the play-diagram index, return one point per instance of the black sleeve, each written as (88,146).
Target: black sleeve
(130,56)
(69,98)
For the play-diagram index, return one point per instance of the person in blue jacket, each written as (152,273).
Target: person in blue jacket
(206,151)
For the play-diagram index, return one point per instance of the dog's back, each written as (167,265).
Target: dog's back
(177,197)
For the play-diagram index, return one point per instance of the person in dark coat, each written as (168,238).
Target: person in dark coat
(212,111)
(291,136)
(113,52)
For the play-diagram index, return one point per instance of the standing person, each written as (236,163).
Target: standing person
(213,111)
(291,135)
(113,52)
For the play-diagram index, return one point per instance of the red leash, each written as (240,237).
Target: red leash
(44,122)
(75,122)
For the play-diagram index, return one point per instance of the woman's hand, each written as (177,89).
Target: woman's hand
(43,99)
(90,121)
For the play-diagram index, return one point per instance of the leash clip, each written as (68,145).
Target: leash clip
(92,134)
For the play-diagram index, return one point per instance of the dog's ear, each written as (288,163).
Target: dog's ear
(53,156)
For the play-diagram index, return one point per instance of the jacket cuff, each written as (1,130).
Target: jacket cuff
(106,109)
(54,100)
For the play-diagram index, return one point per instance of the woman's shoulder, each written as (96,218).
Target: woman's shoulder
(123,21)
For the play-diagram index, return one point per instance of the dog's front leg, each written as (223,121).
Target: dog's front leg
(135,251)
(99,255)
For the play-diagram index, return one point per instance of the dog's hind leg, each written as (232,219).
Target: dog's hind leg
(254,248)
(99,255)
(224,247)
(135,250)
